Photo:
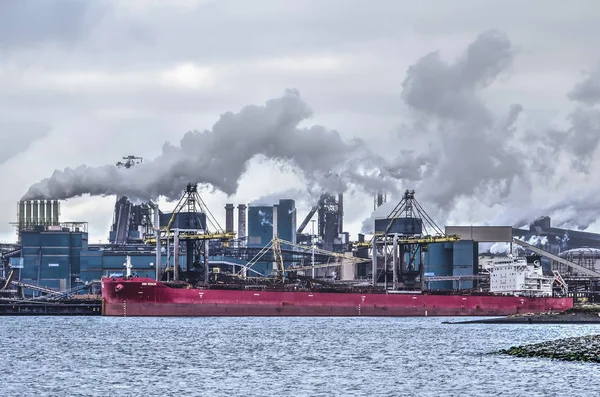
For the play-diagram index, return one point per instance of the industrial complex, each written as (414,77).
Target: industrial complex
(408,251)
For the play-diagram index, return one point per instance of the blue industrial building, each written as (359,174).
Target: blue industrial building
(260,225)
(452,259)
(266,222)
(263,220)
(52,258)
(439,262)
(62,259)
(286,220)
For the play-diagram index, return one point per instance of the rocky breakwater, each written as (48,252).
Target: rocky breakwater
(585,348)
(589,314)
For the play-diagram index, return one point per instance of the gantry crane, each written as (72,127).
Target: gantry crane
(201,226)
(403,236)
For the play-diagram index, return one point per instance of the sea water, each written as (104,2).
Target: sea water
(302,356)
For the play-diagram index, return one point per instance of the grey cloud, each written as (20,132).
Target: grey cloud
(579,140)
(17,137)
(471,152)
(575,211)
(464,148)
(449,90)
(583,137)
(587,91)
(32,22)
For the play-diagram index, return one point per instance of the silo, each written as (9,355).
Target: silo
(42,212)
(48,212)
(35,215)
(55,212)
(28,209)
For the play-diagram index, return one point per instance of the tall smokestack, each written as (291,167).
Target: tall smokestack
(229,217)
(380,198)
(157,235)
(48,212)
(42,212)
(275,208)
(21,214)
(28,209)
(35,214)
(55,212)
(242,224)
(340,213)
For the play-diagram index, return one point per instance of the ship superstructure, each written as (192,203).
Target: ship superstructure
(519,277)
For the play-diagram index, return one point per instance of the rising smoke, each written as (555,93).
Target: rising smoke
(470,152)
(219,157)
(463,154)
(453,149)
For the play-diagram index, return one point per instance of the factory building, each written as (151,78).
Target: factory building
(97,262)
(51,257)
(57,255)
(267,222)
(260,225)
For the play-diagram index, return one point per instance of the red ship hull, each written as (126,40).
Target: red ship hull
(146,297)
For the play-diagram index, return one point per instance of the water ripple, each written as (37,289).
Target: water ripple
(99,356)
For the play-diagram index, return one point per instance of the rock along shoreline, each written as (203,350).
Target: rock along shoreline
(585,348)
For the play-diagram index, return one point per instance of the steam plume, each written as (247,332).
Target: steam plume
(470,152)
(220,156)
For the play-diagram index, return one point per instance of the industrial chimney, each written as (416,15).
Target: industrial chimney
(275,221)
(28,210)
(35,216)
(229,217)
(340,214)
(48,212)
(55,212)
(21,214)
(42,219)
(242,225)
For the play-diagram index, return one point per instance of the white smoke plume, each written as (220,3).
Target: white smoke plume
(464,153)
(264,219)
(471,152)
(219,157)
(500,248)
(452,150)
(272,199)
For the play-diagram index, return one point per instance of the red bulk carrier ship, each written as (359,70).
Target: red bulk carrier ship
(135,296)
(146,297)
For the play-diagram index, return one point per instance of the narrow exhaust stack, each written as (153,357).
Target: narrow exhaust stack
(157,235)
(242,225)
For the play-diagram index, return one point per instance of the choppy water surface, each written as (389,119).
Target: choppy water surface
(100,356)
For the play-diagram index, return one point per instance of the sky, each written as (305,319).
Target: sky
(488,109)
